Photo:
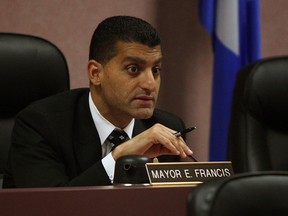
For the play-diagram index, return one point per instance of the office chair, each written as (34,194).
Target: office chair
(258,134)
(264,193)
(31,68)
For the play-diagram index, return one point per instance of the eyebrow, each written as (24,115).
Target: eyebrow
(139,60)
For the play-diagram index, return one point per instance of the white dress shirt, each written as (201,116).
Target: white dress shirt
(104,128)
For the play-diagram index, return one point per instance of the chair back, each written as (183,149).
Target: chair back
(31,68)
(251,194)
(258,134)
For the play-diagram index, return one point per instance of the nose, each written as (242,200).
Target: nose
(149,81)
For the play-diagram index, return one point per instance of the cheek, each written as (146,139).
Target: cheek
(112,83)
(158,83)
(118,91)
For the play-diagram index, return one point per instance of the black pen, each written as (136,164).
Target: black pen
(181,133)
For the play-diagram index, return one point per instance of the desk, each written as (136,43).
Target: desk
(96,201)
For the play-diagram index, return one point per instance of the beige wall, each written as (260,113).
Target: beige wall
(187,74)
(274,20)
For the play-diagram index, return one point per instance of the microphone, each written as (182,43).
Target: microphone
(130,169)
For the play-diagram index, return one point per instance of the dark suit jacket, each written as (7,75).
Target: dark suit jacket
(55,143)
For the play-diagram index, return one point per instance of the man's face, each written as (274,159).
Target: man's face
(130,82)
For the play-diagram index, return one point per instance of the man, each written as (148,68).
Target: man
(64,140)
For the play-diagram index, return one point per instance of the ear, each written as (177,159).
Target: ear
(94,70)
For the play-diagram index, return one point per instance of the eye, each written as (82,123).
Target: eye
(156,70)
(133,69)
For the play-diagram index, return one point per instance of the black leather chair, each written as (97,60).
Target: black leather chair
(31,68)
(263,193)
(258,136)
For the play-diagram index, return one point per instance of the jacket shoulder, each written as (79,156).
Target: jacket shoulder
(168,119)
(59,102)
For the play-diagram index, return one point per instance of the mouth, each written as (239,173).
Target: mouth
(145,100)
(144,97)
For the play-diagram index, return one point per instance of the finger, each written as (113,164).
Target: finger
(184,146)
(178,145)
(179,142)
(164,135)
(170,144)
(169,139)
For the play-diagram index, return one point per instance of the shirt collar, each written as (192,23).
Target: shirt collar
(103,126)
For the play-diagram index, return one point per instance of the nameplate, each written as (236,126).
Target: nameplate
(187,172)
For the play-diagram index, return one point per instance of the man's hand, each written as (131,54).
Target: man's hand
(157,140)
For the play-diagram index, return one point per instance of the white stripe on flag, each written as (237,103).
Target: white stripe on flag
(227,24)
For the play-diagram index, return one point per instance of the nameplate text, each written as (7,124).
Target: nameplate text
(187,172)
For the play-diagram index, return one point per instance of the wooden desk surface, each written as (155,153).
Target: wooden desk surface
(96,201)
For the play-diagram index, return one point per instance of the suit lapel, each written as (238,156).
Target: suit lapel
(141,125)
(86,139)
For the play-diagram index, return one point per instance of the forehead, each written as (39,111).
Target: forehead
(132,50)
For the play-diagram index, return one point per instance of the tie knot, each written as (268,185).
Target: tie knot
(117,137)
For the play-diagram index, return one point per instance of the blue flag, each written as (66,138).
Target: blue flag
(234,26)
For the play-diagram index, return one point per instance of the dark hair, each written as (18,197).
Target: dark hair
(120,28)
